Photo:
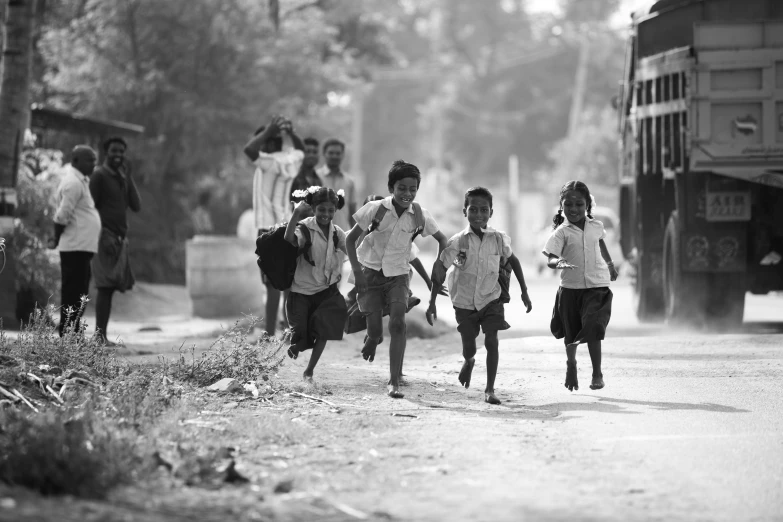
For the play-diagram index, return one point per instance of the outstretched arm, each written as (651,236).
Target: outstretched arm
(517,268)
(296,217)
(350,245)
(605,254)
(555,262)
(253,147)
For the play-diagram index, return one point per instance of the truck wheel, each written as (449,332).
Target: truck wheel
(647,298)
(684,293)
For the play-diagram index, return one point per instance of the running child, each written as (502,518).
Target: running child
(583,305)
(315,307)
(380,266)
(478,255)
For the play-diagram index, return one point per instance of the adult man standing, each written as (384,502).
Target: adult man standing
(114,192)
(334,178)
(276,152)
(307,176)
(77,227)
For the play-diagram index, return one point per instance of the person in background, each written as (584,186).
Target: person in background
(334,178)
(277,154)
(77,227)
(307,177)
(200,216)
(114,192)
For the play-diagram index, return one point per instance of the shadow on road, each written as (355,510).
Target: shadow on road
(704,406)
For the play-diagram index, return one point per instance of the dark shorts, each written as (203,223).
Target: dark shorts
(581,315)
(491,318)
(382,291)
(315,317)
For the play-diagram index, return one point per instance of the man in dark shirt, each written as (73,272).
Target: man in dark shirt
(113,191)
(307,177)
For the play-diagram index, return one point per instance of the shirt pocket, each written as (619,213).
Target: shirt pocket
(493,264)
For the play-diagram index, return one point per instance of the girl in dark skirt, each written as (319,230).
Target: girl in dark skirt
(316,309)
(583,305)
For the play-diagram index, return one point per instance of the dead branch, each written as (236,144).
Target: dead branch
(297,394)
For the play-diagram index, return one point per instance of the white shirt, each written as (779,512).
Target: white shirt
(309,279)
(388,248)
(336,182)
(272,186)
(581,249)
(76,210)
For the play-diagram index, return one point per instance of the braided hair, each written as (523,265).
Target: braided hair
(317,195)
(580,187)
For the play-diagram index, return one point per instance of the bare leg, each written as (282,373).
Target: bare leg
(469,353)
(272,304)
(397,332)
(318,349)
(571,382)
(595,357)
(491,343)
(374,335)
(103,312)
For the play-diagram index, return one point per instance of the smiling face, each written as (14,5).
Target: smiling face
(478,211)
(404,191)
(574,206)
(324,213)
(115,155)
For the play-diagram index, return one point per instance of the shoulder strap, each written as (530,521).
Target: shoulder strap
(499,238)
(305,250)
(379,215)
(418,218)
(336,239)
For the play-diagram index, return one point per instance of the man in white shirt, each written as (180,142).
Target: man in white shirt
(77,230)
(334,178)
(276,151)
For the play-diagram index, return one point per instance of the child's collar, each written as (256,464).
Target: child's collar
(567,223)
(469,230)
(313,225)
(388,202)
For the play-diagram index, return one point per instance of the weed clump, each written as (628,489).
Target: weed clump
(65,451)
(233,355)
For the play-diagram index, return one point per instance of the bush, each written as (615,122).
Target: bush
(65,451)
(139,395)
(231,355)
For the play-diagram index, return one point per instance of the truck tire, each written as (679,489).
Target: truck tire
(647,298)
(684,293)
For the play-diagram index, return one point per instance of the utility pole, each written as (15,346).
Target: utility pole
(580,83)
(14,115)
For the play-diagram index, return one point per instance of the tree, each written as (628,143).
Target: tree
(14,115)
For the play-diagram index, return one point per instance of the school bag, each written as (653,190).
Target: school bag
(277,257)
(504,270)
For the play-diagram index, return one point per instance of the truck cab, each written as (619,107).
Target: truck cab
(701,162)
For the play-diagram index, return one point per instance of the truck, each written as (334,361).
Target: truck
(701,158)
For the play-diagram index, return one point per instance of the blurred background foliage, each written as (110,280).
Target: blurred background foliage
(456,85)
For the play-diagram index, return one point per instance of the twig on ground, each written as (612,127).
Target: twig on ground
(405,415)
(348,510)
(297,394)
(9,394)
(54,394)
(24,400)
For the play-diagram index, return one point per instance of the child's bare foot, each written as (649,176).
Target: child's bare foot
(489,397)
(308,378)
(401,382)
(571,382)
(368,352)
(293,353)
(394,392)
(598,382)
(466,372)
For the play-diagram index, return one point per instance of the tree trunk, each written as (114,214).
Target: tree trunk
(14,115)
(3,9)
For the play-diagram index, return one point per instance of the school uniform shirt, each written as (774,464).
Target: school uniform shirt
(388,247)
(309,279)
(474,285)
(272,181)
(338,181)
(581,249)
(413,255)
(76,210)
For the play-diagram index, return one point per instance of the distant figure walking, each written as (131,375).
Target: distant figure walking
(334,178)
(77,228)
(583,305)
(114,192)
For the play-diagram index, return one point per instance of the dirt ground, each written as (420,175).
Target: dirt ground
(688,428)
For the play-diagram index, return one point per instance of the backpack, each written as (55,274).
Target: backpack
(277,257)
(504,270)
(418,217)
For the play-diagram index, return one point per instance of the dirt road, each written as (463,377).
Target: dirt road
(689,427)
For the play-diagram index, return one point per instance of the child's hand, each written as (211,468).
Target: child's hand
(527,301)
(563,264)
(441,291)
(431,314)
(613,274)
(360,282)
(301,208)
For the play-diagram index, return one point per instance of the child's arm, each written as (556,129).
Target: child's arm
(296,217)
(350,244)
(556,262)
(517,268)
(419,267)
(605,254)
(438,277)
